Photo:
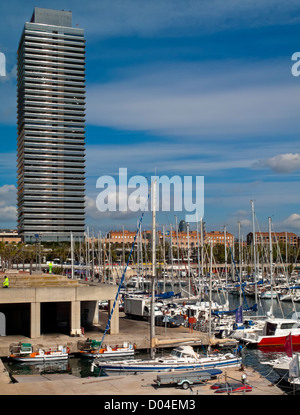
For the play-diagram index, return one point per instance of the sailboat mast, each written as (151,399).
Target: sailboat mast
(210,296)
(240,262)
(254,250)
(225,253)
(202,253)
(188,252)
(271,264)
(152,323)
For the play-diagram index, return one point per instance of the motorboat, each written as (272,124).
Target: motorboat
(280,365)
(23,352)
(94,349)
(181,358)
(274,333)
(247,326)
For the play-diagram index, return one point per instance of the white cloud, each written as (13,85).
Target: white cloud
(282,163)
(293,221)
(8,210)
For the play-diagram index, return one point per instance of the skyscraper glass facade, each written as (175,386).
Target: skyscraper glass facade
(51,122)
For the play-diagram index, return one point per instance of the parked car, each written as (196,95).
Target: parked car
(162,320)
(176,321)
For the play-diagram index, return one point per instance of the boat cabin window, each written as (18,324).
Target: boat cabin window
(287,326)
(270,329)
(176,353)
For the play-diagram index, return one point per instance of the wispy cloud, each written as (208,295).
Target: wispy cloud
(197,102)
(144,18)
(282,163)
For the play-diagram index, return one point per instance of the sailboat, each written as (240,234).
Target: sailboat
(182,357)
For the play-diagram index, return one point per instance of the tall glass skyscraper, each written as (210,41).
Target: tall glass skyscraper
(51,136)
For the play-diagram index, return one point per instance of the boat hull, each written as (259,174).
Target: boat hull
(118,353)
(38,359)
(277,340)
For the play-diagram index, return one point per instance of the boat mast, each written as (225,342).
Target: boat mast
(210,299)
(226,277)
(254,250)
(198,256)
(164,254)
(271,265)
(152,323)
(202,256)
(188,252)
(240,262)
(171,251)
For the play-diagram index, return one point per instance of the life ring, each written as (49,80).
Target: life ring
(68,350)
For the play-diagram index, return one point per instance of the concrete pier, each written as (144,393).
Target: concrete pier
(131,385)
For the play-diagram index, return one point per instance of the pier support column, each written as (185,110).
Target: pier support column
(75,318)
(114,322)
(96,313)
(35,320)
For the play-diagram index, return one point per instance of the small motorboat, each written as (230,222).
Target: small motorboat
(94,349)
(23,352)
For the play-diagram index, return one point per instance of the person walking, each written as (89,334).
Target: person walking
(5,282)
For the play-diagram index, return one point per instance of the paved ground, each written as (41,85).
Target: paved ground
(130,385)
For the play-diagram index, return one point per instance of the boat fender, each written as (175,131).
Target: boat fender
(68,350)
(134,346)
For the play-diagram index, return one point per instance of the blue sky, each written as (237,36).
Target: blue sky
(200,88)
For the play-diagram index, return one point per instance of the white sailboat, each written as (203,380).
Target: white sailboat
(180,358)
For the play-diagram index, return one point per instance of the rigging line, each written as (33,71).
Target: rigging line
(124,272)
(238,278)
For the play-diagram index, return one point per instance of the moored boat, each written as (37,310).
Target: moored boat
(94,349)
(280,365)
(181,358)
(23,352)
(274,333)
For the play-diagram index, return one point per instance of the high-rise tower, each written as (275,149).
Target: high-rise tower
(51,118)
